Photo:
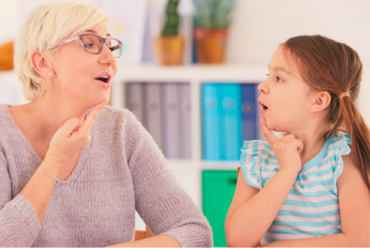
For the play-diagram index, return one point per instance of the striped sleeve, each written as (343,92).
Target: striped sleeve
(249,162)
(341,147)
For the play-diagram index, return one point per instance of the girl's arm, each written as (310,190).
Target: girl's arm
(252,210)
(354,204)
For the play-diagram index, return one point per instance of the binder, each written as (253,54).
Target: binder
(134,100)
(230,99)
(152,107)
(210,122)
(184,121)
(170,120)
(249,115)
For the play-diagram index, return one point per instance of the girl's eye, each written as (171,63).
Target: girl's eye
(267,74)
(279,79)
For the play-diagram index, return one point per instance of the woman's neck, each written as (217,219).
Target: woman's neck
(47,116)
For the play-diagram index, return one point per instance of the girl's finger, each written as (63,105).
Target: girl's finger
(271,138)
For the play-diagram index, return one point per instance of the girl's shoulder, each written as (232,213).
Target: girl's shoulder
(257,161)
(339,144)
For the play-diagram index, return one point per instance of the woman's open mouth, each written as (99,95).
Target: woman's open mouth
(104,79)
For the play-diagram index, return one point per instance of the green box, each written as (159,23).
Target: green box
(218,188)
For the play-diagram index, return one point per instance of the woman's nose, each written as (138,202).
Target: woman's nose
(108,57)
(262,87)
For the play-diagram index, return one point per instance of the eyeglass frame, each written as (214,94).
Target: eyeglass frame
(102,40)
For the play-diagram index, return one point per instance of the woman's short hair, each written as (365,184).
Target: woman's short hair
(44,28)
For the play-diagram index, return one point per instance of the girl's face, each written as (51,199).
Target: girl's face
(285,95)
(76,70)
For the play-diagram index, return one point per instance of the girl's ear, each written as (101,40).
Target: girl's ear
(321,101)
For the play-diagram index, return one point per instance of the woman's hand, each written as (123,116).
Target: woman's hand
(286,149)
(72,137)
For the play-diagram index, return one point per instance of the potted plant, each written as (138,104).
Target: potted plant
(169,47)
(212,20)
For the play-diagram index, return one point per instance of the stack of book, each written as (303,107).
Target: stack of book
(230,114)
(164,109)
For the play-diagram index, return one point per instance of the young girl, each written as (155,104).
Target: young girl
(311,187)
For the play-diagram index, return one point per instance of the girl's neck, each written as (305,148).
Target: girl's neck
(313,141)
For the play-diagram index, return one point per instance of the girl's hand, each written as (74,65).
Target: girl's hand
(72,137)
(286,149)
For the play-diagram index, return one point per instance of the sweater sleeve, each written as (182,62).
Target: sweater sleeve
(159,199)
(19,225)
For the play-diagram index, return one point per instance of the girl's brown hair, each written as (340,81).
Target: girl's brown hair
(327,65)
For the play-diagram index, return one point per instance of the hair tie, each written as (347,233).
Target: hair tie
(344,94)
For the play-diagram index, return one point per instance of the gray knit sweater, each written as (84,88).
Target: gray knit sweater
(120,170)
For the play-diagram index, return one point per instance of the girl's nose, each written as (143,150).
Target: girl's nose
(262,87)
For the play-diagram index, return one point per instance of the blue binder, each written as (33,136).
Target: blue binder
(249,108)
(210,122)
(229,96)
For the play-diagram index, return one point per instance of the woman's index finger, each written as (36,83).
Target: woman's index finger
(92,117)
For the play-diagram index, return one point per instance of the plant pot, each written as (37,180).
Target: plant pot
(169,50)
(210,45)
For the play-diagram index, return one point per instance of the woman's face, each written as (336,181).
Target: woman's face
(76,70)
(285,95)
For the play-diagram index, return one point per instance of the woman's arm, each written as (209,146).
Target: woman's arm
(161,202)
(252,211)
(21,217)
(354,205)
(69,139)
(156,241)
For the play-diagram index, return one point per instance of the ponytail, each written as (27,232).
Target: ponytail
(327,65)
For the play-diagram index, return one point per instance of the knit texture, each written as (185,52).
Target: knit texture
(120,170)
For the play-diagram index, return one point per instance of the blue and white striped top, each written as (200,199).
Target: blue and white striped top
(312,207)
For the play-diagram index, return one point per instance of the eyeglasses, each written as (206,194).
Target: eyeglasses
(92,43)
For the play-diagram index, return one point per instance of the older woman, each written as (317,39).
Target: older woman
(73,171)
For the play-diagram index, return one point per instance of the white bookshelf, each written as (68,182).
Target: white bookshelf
(188,172)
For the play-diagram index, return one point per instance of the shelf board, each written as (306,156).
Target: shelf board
(214,73)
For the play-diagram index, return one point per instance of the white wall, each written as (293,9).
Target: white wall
(258,27)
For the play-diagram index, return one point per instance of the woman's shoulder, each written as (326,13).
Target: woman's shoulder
(121,119)
(111,115)
(5,120)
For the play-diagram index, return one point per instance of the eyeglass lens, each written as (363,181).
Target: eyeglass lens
(93,44)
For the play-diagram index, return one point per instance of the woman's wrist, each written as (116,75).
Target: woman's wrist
(54,159)
(53,164)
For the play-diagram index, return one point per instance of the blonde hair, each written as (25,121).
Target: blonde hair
(44,28)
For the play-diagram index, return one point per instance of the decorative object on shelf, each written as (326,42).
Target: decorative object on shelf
(6,56)
(212,20)
(169,48)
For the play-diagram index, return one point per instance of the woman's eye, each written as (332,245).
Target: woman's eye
(88,45)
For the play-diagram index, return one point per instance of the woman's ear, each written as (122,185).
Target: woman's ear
(41,64)
(321,100)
